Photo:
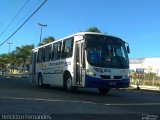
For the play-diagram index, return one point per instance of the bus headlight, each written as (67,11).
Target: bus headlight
(91,73)
(100,70)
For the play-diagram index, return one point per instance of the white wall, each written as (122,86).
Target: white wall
(149,64)
(152,65)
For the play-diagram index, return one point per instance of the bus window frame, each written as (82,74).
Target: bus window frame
(58,52)
(64,54)
(47,53)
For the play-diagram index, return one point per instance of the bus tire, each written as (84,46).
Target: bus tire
(103,90)
(68,84)
(40,82)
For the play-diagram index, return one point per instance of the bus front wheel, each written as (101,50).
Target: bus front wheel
(68,85)
(103,90)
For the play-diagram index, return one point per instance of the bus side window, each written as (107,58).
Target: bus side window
(47,53)
(40,55)
(56,51)
(67,48)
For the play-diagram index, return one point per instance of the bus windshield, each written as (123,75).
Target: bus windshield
(106,51)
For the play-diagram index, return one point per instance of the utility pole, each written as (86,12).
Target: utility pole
(9,43)
(41,25)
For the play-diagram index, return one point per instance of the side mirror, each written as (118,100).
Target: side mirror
(128,50)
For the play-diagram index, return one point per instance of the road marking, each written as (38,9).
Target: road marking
(48,100)
(84,102)
(133,104)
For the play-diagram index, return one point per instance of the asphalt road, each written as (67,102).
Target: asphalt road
(20,97)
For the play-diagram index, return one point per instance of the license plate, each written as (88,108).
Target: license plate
(112,83)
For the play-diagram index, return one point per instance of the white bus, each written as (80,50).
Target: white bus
(85,59)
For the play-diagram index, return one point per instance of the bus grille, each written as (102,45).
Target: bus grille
(117,77)
(109,77)
(105,76)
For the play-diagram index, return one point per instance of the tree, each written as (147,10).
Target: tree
(23,54)
(47,40)
(93,29)
(3,61)
(18,57)
(12,60)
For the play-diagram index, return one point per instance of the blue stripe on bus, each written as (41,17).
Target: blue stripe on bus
(92,82)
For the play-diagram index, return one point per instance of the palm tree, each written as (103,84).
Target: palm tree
(3,61)
(93,29)
(47,40)
(12,60)
(23,54)
(18,57)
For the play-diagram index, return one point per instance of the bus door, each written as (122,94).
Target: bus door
(33,72)
(80,63)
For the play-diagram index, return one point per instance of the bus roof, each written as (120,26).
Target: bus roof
(76,34)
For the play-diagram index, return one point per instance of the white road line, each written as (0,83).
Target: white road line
(48,100)
(133,104)
(84,102)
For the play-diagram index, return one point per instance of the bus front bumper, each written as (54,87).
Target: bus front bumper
(92,82)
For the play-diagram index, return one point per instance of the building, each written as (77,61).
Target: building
(149,65)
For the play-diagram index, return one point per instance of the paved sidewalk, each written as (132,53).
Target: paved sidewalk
(145,87)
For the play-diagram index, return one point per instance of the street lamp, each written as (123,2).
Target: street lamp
(41,25)
(9,43)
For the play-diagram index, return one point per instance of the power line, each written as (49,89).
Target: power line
(14,18)
(34,5)
(23,23)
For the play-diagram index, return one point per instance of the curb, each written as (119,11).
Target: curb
(140,90)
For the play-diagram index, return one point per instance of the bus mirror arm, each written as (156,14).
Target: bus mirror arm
(127,47)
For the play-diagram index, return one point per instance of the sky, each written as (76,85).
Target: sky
(135,21)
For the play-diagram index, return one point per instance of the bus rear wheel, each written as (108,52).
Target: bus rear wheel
(103,90)
(40,82)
